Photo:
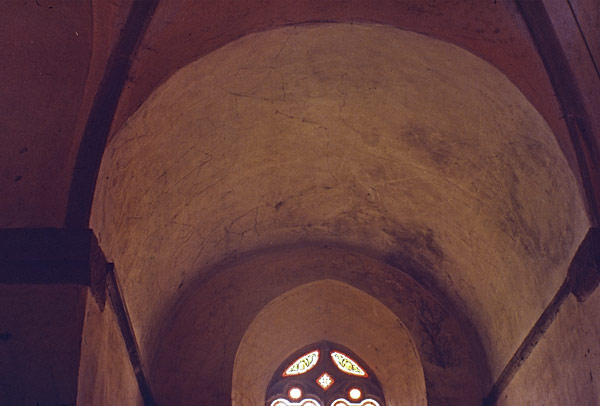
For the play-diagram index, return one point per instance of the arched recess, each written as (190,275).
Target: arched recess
(334,311)
(195,348)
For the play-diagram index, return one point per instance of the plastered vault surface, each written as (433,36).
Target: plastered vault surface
(232,331)
(366,136)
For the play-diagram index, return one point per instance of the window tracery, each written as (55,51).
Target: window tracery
(324,374)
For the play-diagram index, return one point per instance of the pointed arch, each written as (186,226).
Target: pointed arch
(276,332)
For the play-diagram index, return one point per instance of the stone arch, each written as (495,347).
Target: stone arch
(196,348)
(334,311)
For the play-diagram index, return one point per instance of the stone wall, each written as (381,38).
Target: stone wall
(563,369)
(106,376)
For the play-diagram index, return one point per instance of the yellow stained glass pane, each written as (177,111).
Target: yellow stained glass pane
(346,364)
(303,364)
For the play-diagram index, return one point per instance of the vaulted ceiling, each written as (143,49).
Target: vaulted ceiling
(386,142)
(232,156)
(57,54)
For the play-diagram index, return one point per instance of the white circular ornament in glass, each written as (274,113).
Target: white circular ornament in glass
(295,393)
(355,394)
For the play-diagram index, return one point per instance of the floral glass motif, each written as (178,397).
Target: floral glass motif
(346,364)
(298,384)
(303,364)
(325,381)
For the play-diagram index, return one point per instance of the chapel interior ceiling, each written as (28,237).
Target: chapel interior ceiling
(416,144)
(399,145)
(54,68)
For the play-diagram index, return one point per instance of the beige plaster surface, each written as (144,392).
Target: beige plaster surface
(195,349)
(337,312)
(55,53)
(106,376)
(564,368)
(361,135)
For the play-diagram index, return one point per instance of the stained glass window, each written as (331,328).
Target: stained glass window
(324,374)
(344,402)
(346,364)
(303,364)
(305,402)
